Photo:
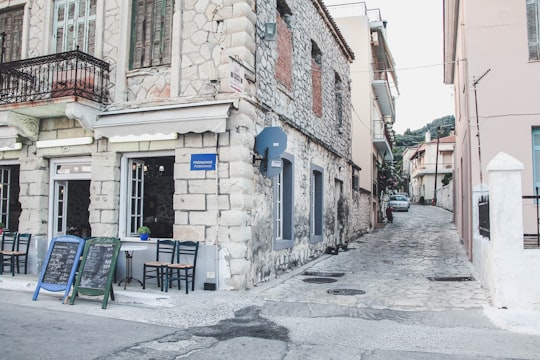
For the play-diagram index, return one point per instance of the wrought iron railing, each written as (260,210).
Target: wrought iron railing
(483,216)
(532,240)
(71,73)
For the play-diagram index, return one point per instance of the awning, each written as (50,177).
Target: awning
(164,120)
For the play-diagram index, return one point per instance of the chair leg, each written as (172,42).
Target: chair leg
(12,265)
(160,276)
(144,277)
(187,279)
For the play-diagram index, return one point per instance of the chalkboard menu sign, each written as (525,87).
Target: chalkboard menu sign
(97,268)
(60,265)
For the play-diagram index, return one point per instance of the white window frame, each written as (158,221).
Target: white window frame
(54,177)
(70,39)
(125,193)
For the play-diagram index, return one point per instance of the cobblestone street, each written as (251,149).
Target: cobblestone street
(394,264)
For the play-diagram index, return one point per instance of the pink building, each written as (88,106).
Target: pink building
(491,55)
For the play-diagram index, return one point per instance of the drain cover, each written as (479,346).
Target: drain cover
(322,273)
(450,278)
(346,292)
(318,280)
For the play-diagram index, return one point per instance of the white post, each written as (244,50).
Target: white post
(509,278)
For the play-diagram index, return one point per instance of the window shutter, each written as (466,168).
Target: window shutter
(151,32)
(11,23)
(532,29)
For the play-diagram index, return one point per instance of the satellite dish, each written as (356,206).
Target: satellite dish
(272,138)
(270,143)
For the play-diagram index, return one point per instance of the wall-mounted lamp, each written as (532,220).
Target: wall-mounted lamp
(270,31)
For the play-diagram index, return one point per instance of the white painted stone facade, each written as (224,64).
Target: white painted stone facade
(230,209)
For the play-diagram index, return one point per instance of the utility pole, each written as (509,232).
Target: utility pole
(434,203)
(475,82)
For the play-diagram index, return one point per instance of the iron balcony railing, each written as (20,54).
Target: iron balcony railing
(71,73)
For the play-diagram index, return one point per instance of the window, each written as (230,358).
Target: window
(284,205)
(149,190)
(75,25)
(533,29)
(316,204)
(10,207)
(338,91)
(536,158)
(11,24)
(316,78)
(151,35)
(284,45)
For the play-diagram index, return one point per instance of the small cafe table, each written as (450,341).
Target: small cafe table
(129,249)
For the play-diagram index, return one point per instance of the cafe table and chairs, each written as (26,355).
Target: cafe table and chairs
(129,249)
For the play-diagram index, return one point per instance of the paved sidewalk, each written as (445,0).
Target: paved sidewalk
(392,268)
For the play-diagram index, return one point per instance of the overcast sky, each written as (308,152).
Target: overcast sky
(415,36)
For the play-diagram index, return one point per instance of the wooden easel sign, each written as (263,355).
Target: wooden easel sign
(97,269)
(60,265)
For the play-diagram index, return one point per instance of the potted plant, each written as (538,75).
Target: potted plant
(2,226)
(144,232)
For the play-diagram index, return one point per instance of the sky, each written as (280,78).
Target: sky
(415,37)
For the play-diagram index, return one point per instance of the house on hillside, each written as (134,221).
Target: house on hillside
(497,128)
(227,123)
(374,88)
(429,164)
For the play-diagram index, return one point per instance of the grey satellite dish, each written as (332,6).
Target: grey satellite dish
(270,143)
(273,139)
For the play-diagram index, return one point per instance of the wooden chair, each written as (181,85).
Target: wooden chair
(185,266)
(9,243)
(21,251)
(165,250)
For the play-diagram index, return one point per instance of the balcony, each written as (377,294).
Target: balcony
(381,140)
(42,84)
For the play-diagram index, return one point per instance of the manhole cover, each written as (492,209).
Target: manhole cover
(318,280)
(450,278)
(322,273)
(346,292)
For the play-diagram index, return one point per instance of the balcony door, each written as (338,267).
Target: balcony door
(75,25)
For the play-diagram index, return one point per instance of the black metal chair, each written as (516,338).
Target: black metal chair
(165,250)
(9,243)
(185,266)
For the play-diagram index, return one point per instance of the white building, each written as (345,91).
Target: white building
(373,91)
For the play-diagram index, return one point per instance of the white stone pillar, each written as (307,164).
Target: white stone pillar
(509,278)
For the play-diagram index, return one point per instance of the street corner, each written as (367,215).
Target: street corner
(522,321)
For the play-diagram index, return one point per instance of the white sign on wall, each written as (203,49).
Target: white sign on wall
(236,76)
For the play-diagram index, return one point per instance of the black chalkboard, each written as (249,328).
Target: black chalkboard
(60,265)
(97,268)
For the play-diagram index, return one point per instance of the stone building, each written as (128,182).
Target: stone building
(115,114)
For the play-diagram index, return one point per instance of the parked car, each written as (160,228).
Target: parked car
(399,202)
